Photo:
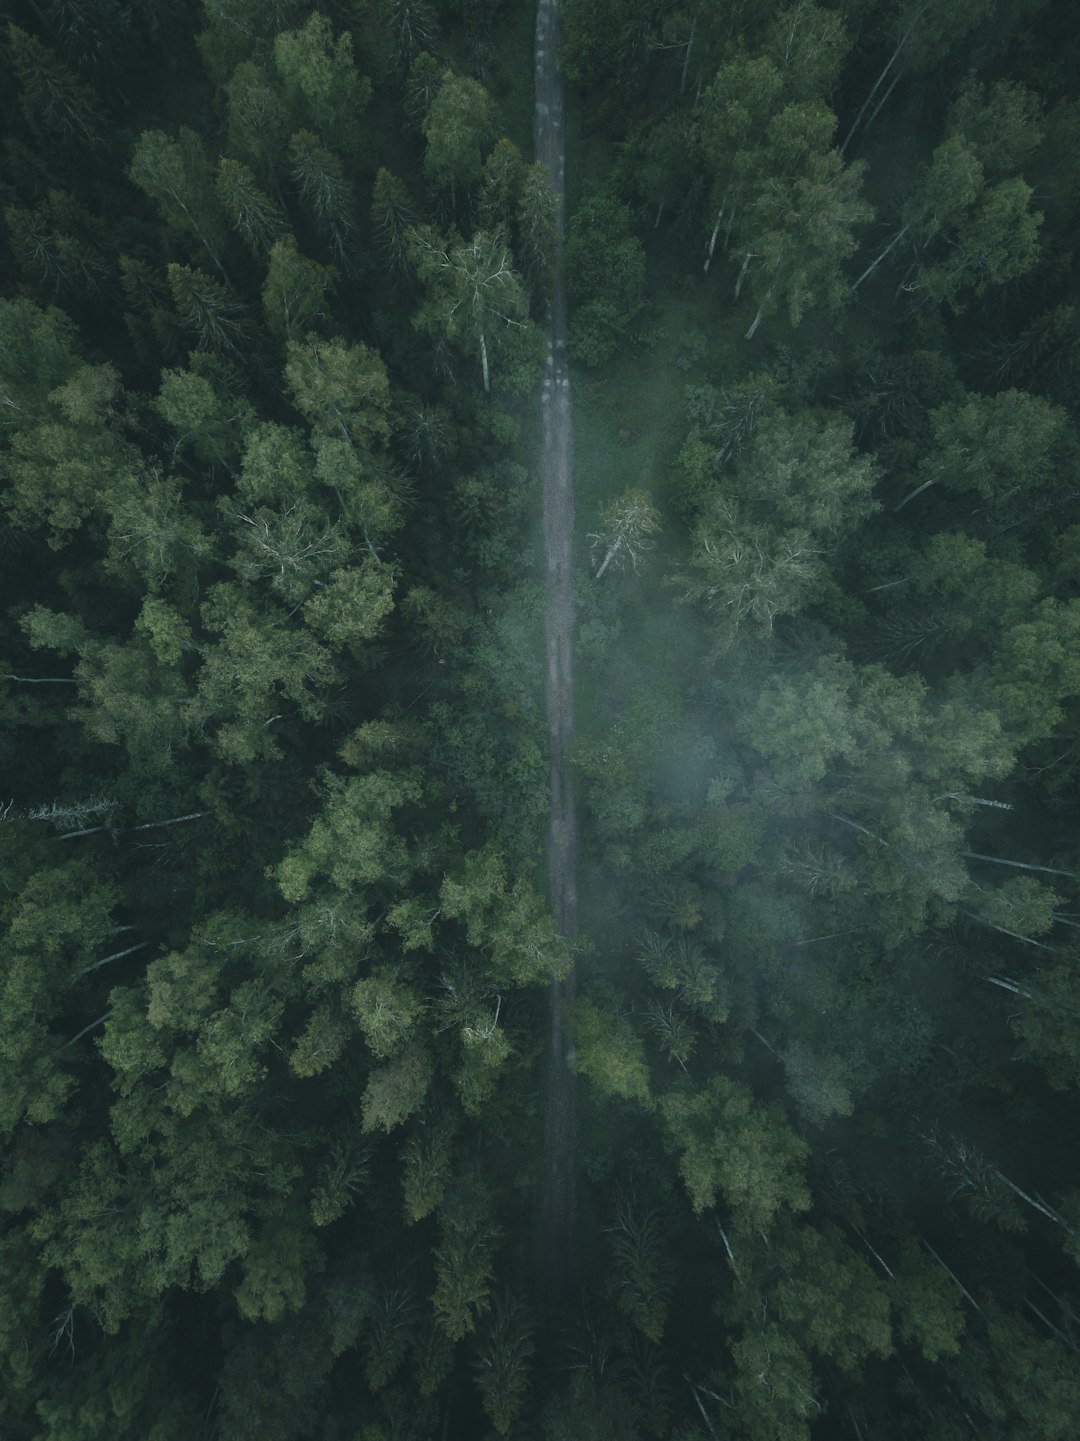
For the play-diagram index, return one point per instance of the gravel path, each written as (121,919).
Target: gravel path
(560,1114)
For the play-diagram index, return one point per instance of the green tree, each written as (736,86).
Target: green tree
(58,470)
(55,928)
(608,1051)
(392,219)
(801,205)
(1006,447)
(538,227)
(57,106)
(342,390)
(177,174)
(458,128)
(258,120)
(59,247)
(969,234)
(209,310)
(255,217)
(605,268)
(256,662)
(38,352)
(295,294)
(626,526)
(208,423)
(322,86)
(808,44)
(760,547)
(729,1143)
(325,190)
(504,1350)
(503,174)
(475,298)
(735,109)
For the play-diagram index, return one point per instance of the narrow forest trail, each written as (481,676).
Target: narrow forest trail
(560,1114)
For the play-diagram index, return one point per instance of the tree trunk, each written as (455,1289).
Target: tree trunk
(116,956)
(872,267)
(42,680)
(484,363)
(1019,865)
(613,551)
(686,59)
(951,1275)
(742,273)
(874,90)
(912,494)
(712,237)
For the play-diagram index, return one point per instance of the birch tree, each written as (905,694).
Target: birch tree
(798,221)
(627,526)
(475,297)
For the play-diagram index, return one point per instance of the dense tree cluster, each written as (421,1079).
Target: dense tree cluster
(828,1029)
(275,953)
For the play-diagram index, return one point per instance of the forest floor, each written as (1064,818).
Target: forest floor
(560,1116)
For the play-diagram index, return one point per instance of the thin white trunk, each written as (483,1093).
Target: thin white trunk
(1008,985)
(872,267)
(1019,865)
(881,102)
(884,1266)
(742,273)
(727,1248)
(876,87)
(756,322)
(912,494)
(856,827)
(613,550)
(68,1044)
(686,58)
(1016,936)
(42,680)
(712,237)
(175,821)
(1038,1205)
(116,956)
(484,363)
(952,1275)
(1047,1322)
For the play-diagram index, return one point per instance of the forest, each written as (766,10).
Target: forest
(279,955)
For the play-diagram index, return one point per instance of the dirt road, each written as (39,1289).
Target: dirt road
(560,1115)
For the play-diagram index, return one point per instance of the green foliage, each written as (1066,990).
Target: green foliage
(758,551)
(730,1144)
(350,843)
(458,127)
(506,920)
(396,1091)
(251,212)
(54,930)
(464,1263)
(504,1349)
(281,1126)
(177,174)
(321,84)
(605,267)
(609,1052)
(476,300)
(641,1277)
(342,390)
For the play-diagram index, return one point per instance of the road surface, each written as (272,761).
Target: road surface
(560,1114)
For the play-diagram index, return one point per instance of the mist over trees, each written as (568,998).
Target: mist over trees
(276,953)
